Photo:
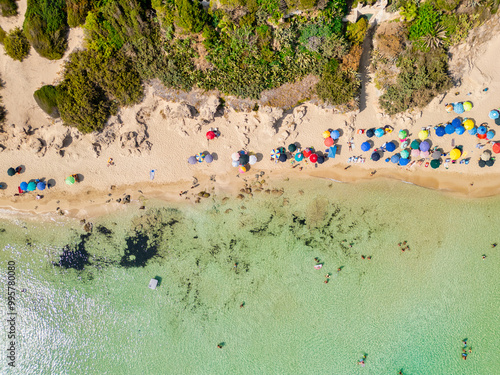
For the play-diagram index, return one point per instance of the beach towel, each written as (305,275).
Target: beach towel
(152,174)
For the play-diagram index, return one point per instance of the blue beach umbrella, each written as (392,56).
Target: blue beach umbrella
(490,134)
(494,114)
(460,130)
(24,186)
(449,129)
(390,146)
(192,160)
(379,132)
(335,134)
(404,162)
(299,156)
(282,158)
(321,159)
(31,186)
(387,160)
(456,122)
(40,185)
(395,158)
(458,108)
(482,130)
(370,133)
(209,158)
(424,146)
(473,131)
(440,131)
(375,156)
(365,146)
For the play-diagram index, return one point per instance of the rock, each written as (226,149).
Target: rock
(248,190)
(87,227)
(206,195)
(240,196)
(228,210)
(126,199)
(209,108)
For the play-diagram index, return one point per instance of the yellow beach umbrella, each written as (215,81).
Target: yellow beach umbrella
(423,134)
(468,124)
(467,106)
(455,154)
(326,134)
(242,169)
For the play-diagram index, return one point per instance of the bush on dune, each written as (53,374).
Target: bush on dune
(46,28)
(46,98)
(8,8)
(77,11)
(16,45)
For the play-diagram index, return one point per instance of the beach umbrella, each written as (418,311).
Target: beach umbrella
(455,153)
(70,180)
(275,154)
(24,186)
(425,146)
(370,133)
(482,130)
(299,156)
(481,163)
(440,131)
(460,130)
(402,134)
(252,159)
(210,135)
(329,141)
(321,159)
(242,169)
(390,147)
(313,158)
(415,145)
(496,148)
(335,134)
(244,159)
(41,185)
(468,124)
(282,158)
(472,131)
(423,134)
(486,155)
(415,153)
(467,106)
(292,147)
(379,132)
(490,162)
(405,154)
(365,146)
(307,152)
(235,163)
(490,134)
(31,186)
(192,160)
(11,171)
(326,134)
(387,160)
(403,162)
(436,154)
(209,158)
(424,154)
(458,108)
(449,129)
(375,156)
(456,122)
(235,156)
(494,114)
(395,158)
(435,163)
(481,136)
(200,157)
(282,150)
(449,108)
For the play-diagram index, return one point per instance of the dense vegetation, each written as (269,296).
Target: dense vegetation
(46,98)
(45,26)
(16,45)
(8,8)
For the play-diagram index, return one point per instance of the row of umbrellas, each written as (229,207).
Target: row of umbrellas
(32,185)
(199,158)
(459,107)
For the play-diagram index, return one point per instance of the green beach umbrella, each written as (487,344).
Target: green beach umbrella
(435,163)
(70,180)
(415,145)
(402,134)
(405,154)
(292,147)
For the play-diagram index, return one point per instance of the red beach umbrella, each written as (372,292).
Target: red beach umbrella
(496,148)
(313,158)
(328,141)
(481,136)
(210,135)
(307,152)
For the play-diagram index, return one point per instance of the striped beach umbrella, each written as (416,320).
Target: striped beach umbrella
(275,154)
(200,157)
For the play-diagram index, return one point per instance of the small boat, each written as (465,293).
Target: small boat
(318,266)
(153,283)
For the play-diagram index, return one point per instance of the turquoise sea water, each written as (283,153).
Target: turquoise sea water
(406,310)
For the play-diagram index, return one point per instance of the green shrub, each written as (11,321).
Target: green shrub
(46,27)
(16,45)
(77,11)
(46,98)
(356,31)
(3,34)
(8,8)
(190,15)
(337,86)
(425,23)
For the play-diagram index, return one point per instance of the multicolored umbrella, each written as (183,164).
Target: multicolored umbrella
(11,171)
(390,147)
(449,108)
(458,108)
(440,131)
(242,169)
(313,158)
(299,156)
(210,135)
(70,180)
(467,106)
(494,114)
(365,146)
(200,157)
(329,141)
(435,163)
(275,154)
(455,154)
(468,124)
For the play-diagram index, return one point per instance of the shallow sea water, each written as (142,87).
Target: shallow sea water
(406,310)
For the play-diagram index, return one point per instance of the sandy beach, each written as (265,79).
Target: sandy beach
(161,134)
